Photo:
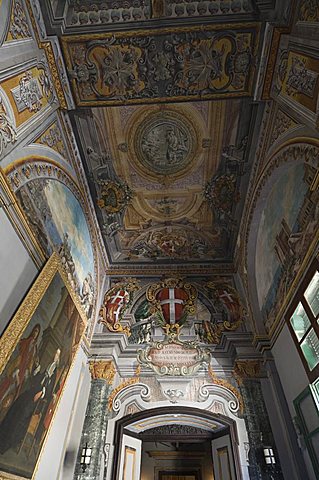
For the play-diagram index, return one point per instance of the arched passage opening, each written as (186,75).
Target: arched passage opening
(176,442)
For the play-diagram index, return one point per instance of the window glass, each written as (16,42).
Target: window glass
(310,349)
(309,413)
(315,392)
(312,294)
(315,443)
(300,321)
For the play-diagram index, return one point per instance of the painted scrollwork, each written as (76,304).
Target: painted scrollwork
(19,27)
(172,356)
(301,79)
(190,64)
(309,11)
(8,132)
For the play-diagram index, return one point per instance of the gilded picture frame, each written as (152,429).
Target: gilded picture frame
(37,351)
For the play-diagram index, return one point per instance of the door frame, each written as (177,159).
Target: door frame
(125,421)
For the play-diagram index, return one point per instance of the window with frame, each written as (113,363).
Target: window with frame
(308,422)
(303,321)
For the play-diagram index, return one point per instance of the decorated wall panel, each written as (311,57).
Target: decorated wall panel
(179,64)
(296,79)
(197,308)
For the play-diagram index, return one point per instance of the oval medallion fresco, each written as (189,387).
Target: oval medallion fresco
(165,143)
(58,221)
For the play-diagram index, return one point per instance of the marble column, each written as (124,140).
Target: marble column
(95,423)
(257,422)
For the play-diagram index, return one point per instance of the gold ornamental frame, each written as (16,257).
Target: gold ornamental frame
(52,271)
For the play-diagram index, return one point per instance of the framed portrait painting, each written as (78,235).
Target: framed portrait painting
(36,353)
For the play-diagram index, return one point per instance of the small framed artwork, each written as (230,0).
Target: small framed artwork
(129,463)
(36,353)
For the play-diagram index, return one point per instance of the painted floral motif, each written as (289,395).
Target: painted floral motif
(120,70)
(53,138)
(199,62)
(205,65)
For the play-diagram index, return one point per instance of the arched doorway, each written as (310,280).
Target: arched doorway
(174,443)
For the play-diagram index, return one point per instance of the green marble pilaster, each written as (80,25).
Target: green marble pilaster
(95,424)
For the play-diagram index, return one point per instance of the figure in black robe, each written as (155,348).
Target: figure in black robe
(14,425)
(34,399)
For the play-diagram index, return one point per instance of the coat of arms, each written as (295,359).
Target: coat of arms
(173,300)
(116,301)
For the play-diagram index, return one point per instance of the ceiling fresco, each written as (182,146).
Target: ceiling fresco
(168,183)
(166,64)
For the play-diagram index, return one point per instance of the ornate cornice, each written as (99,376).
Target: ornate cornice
(167,270)
(47,47)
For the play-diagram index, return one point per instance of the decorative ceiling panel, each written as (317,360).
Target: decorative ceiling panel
(168,180)
(162,65)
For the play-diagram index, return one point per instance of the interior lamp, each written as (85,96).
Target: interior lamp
(269,456)
(86,457)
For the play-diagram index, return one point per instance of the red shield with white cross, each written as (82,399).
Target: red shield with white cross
(115,304)
(172,301)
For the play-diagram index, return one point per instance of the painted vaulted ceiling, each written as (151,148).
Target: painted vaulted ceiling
(165,119)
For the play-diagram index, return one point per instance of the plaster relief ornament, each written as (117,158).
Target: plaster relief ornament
(228,304)
(19,27)
(28,94)
(172,300)
(172,356)
(8,132)
(116,302)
